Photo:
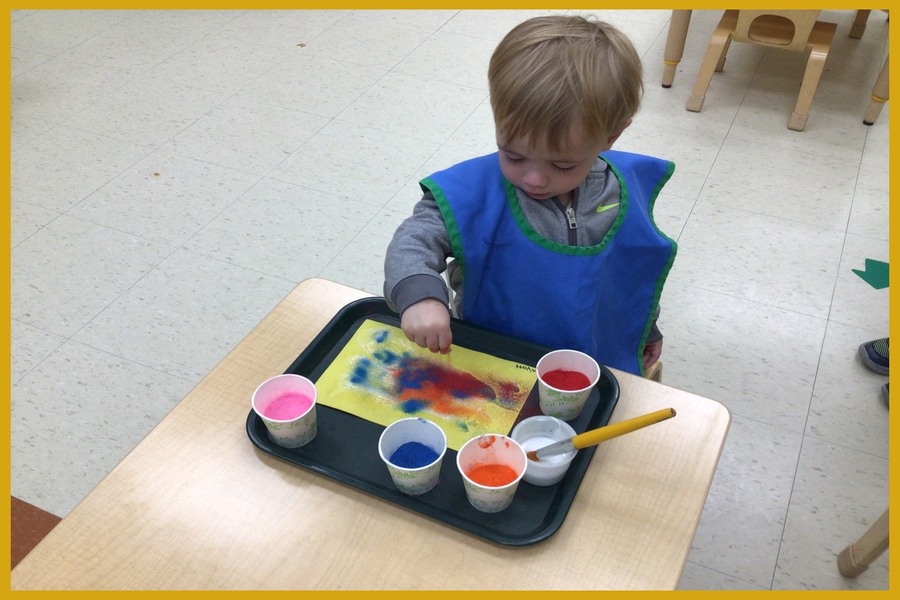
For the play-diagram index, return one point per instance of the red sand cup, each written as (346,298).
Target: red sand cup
(491,465)
(572,375)
(287,406)
(413,449)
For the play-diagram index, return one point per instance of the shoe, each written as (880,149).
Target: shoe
(884,394)
(874,355)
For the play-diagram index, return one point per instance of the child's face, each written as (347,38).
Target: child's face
(542,173)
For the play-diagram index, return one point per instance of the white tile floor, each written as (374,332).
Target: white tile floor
(175,174)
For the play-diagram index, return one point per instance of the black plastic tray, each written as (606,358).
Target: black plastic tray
(346,446)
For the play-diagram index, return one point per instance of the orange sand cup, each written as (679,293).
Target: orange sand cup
(491,465)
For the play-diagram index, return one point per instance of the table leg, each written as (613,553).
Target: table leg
(675,37)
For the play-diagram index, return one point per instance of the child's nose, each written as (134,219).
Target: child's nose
(534,178)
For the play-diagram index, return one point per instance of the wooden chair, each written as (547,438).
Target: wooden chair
(856,558)
(795,30)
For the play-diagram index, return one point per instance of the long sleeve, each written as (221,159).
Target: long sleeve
(416,257)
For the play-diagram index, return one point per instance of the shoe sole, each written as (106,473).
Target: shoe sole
(864,356)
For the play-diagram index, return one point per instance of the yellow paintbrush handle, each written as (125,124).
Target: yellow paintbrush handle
(601,434)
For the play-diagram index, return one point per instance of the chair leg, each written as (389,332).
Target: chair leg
(720,66)
(856,558)
(654,373)
(678,28)
(859,24)
(879,95)
(814,67)
(717,46)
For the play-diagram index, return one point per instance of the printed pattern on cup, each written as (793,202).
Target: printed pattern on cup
(293,434)
(416,482)
(562,405)
(486,499)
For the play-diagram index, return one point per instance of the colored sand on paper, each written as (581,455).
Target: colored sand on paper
(381,376)
(493,475)
(287,406)
(413,455)
(566,380)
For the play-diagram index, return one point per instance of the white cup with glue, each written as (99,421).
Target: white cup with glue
(537,432)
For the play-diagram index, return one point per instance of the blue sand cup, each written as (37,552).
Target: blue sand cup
(413,449)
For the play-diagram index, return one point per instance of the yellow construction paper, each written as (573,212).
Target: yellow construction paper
(381,376)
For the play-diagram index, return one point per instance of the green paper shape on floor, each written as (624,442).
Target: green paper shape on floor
(875,273)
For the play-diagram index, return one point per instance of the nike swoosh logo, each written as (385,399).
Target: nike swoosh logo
(601,209)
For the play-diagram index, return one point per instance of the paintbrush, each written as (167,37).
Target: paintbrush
(601,434)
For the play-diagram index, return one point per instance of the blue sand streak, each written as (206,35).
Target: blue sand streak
(361,371)
(386,357)
(413,406)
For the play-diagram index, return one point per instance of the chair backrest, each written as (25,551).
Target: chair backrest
(787,29)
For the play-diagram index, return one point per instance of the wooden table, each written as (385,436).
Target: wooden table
(196,506)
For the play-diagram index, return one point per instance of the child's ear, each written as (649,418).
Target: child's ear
(612,139)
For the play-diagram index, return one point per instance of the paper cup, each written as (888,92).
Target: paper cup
(413,450)
(556,400)
(287,405)
(491,465)
(536,432)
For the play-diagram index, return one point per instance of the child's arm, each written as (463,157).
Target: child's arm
(652,351)
(413,286)
(653,346)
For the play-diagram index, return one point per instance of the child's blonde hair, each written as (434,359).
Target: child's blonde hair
(553,76)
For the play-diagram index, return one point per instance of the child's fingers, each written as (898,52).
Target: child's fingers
(444,341)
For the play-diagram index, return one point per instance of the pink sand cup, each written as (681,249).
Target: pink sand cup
(559,403)
(287,405)
(419,479)
(488,450)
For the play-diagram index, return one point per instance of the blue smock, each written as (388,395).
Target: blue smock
(598,299)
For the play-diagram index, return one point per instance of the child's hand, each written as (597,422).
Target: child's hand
(651,353)
(427,323)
